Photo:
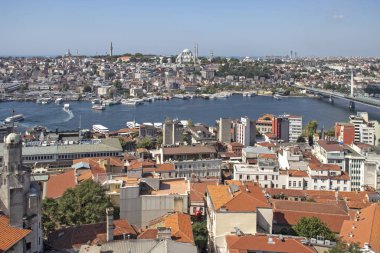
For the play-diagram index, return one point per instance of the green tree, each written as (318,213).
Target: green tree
(84,204)
(343,247)
(311,128)
(200,234)
(49,215)
(300,139)
(145,143)
(311,227)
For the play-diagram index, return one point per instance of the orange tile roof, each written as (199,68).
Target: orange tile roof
(85,176)
(198,190)
(246,198)
(259,243)
(9,235)
(289,212)
(59,183)
(165,167)
(365,228)
(268,156)
(179,223)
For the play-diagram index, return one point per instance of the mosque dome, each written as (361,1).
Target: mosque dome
(186,56)
(12,138)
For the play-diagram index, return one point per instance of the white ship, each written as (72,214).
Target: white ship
(14,118)
(98,107)
(66,107)
(58,101)
(276,96)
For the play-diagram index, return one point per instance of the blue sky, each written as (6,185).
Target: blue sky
(230,28)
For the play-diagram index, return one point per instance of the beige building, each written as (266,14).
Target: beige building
(236,207)
(150,198)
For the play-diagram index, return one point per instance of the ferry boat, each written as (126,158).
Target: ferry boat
(100,129)
(66,107)
(14,118)
(58,101)
(98,107)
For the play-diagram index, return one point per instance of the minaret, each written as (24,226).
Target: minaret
(111,49)
(352,83)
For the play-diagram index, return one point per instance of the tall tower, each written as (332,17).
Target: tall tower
(111,49)
(291,54)
(352,83)
(19,197)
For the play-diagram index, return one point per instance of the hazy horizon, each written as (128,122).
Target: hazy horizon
(323,28)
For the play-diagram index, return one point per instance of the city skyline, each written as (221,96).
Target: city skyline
(246,28)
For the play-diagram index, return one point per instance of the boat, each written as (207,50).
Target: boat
(58,101)
(45,101)
(66,107)
(95,101)
(14,118)
(98,107)
(137,101)
(276,96)
(132,124)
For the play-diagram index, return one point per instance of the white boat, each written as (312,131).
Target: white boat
(45,101)
(58,101)
(276,96)
(98,107)
(132,101)
(66,107)
(100,129)
(95,101)
(132,124)
(14,118)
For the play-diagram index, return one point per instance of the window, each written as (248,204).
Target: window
(294,183)
(290,183)
(248,177)
(265,177)
(240,177)
(299,183)
(194,209)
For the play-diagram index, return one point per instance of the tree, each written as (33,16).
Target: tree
(84,204)
(145,143)
(311,227)
(300,139)
(200,234)
(311,128)
(343,247)
(48,215)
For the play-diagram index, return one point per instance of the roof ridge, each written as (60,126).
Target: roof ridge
(376,206)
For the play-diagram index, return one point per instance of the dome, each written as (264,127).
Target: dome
(186,51)
(12,138)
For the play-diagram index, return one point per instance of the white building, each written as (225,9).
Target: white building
(245,131)
(367,134)
(295,127)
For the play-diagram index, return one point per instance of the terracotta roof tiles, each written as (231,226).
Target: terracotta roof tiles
(9,235)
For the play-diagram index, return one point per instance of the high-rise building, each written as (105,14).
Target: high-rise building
(19,197)
(224,130)
(295,127)
(172,132)
(367,134)
(357,120)
(245,131)
(280,128)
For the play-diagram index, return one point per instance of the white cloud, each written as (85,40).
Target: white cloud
(338,16)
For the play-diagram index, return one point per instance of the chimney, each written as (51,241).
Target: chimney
(164,233)
(109,212)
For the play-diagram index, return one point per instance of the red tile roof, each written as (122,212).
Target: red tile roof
(9,235)
(198,190)
(259,243)
(365,228)
(179,223)
(59,183)
(287,212)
